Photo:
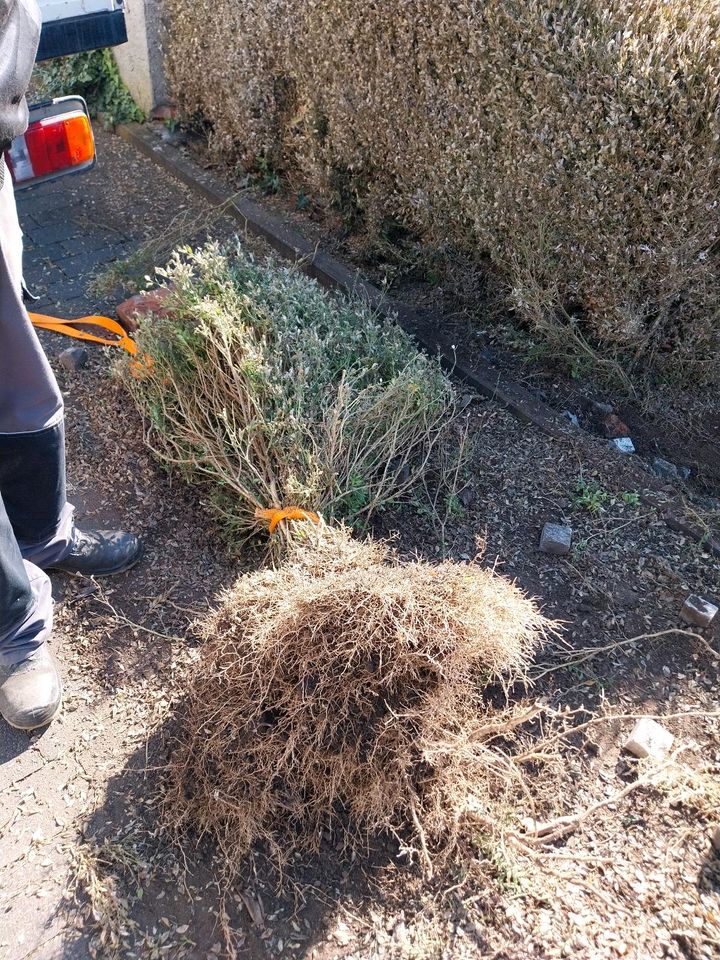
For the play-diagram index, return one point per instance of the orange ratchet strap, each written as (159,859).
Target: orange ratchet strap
(68,327)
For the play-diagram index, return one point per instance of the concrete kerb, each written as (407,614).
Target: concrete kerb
(255,220)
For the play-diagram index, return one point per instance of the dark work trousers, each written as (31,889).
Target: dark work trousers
(36,522)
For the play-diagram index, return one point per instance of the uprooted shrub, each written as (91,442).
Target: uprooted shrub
(345,691)
(575,141)
(275,394)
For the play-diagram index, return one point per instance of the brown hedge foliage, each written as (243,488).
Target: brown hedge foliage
(576,141)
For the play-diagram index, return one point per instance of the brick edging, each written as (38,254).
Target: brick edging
(483,376)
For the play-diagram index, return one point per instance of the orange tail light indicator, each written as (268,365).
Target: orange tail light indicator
(52,146)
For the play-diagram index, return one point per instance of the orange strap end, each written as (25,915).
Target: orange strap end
(276,515)
(68,327)
(142,368)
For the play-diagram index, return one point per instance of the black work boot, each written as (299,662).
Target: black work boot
(101,553)
(31,690)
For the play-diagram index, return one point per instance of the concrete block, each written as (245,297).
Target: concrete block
(140,60)
(697,611)
(622,445)
(556,539)
(649,739)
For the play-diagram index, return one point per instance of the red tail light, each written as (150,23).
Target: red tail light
(51,146)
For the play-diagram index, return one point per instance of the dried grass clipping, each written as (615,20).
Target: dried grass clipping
(344,692)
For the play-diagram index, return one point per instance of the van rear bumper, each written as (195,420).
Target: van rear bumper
(59,38)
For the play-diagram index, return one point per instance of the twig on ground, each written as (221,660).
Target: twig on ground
(547,832)
(423,842)
(126,622)
(575,657)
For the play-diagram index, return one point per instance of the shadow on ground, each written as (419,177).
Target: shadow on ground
(152,894)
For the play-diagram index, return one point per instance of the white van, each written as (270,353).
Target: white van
(71,26)
(59,139)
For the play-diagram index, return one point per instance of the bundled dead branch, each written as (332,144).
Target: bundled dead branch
(270,393)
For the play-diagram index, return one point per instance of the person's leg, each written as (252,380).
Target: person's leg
(30,688)
(32,443)
(32,483)
(30,399)
(32,454)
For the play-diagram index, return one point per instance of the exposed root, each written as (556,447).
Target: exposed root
(561,826)
(572,658)
(345,691)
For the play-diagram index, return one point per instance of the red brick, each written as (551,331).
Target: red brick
(614,427)
(141,304)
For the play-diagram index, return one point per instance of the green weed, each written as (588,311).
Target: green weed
(266,178)
(94,76)
(454,505)
(589,496)
(506,871)
(595,499)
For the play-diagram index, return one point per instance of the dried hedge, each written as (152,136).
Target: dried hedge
(576,141)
